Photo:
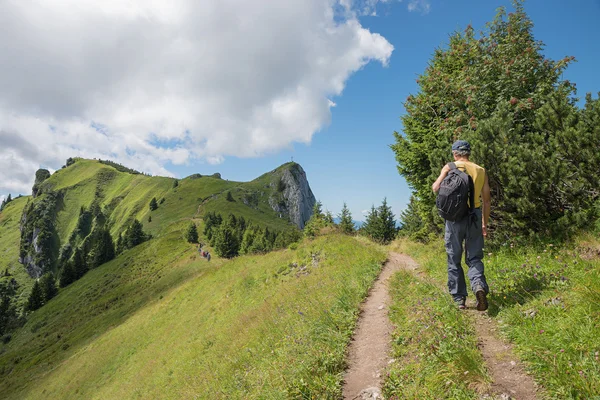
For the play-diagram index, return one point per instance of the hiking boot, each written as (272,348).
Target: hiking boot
(481,296)
(460,302)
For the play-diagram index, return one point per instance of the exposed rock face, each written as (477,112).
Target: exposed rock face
(297,200)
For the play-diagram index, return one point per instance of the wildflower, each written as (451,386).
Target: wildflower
(562,350)
(538,257)
(542,331)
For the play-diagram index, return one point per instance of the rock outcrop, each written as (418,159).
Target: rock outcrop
(295,198)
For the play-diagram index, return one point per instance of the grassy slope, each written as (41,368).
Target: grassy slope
(10,237)
(126,196)
(547,302)
(157,323)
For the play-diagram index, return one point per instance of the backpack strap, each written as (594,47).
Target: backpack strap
(452,166)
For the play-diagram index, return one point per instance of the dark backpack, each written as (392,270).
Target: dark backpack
(456,197)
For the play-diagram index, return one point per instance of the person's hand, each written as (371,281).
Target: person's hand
(484,230)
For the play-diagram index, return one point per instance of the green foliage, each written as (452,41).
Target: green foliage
(545,299)
(135,234)
(40,176)
(328,218)
(119,167)
(7,200)
(411,221)
(104,248)
(346,224)
(226,241)
(36,297)
(175,183)
(380,224)
(78,264)
(498,91)
(9,318)
(191,235)
(153,204)
(288,329)
(229,196)
(39,226)
(68,275)
(48,285)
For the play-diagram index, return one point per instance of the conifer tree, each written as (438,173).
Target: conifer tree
(225,242)
(317,210)
(500,92)
(9,318)
(120,244)
(371,226)
(328,218)
(135,234)
(175,183)
(387,223)
(36,297)
(191,234)
(248,240)
(48,284)
(346,223)
(153,204)
(79,264)
(67,275)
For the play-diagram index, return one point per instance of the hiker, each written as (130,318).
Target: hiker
(207,256)
(471,229)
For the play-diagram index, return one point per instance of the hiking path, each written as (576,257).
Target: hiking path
(369,351)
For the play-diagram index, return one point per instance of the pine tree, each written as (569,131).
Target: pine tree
(328,218)
(120,244)
(68,275)
(153,204)
(500,92)
(135,234)
(191,234)
(175,183)
(225,242)
(149,218)
(346,223)
(248,240)
(9,318)
(79,264)
(36,297)
(104,249)
(317,210)
(371,226)
(48,284)
(387,223)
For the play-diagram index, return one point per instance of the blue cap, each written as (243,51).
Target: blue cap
(461,145)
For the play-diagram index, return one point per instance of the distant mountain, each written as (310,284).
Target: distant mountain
(357,224)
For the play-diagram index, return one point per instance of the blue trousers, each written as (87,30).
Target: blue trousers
(467,230)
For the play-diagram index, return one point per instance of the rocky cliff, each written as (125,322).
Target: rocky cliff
(293,197)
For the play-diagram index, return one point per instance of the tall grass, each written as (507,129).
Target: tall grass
(272,326)
(546,300)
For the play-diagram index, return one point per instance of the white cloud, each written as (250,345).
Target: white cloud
(147,82)
(422,6)
(365,212)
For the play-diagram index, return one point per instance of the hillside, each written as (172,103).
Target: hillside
(88,194)
(160,322)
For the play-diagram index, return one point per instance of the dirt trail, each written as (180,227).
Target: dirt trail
(368,353)
(509,377)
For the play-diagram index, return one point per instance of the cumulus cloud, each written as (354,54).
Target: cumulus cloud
(148,82)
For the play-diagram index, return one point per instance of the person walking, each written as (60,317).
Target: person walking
(470,230)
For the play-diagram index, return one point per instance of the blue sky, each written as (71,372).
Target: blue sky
(182,87)
(350,159)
